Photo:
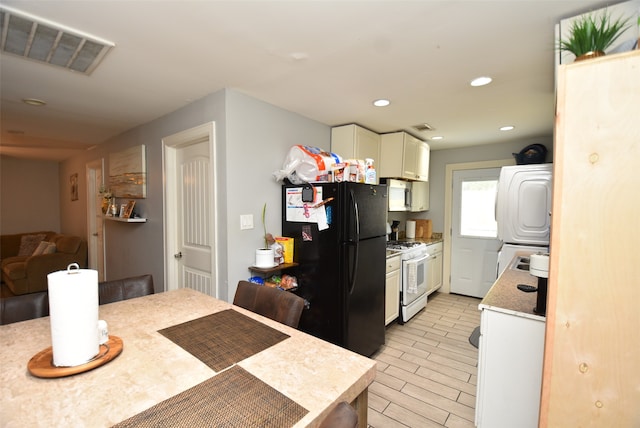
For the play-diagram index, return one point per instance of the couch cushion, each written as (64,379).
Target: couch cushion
(15,270)
(14,259)
(51,248)
(67,244)
(40,248)
(28,243)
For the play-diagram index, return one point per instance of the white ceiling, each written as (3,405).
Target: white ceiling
(326,60)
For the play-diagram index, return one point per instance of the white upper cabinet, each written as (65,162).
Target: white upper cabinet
(422,161)
(419,196)
(404,156)
(356,142)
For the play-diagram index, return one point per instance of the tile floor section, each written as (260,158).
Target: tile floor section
(427,369)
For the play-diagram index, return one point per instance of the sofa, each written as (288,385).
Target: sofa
(27,259)
(35,305)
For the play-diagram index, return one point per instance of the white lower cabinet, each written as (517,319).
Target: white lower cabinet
(509,370)
(392,290)
(434,267)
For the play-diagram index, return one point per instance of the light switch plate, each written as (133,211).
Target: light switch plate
(246,221)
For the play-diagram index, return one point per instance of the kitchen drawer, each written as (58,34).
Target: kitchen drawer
(393,263)
(434,248)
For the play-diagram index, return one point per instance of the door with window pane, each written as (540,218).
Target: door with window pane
(474,243)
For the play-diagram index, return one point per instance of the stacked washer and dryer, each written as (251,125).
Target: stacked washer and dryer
(523,211)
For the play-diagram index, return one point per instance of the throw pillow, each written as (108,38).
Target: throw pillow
(40,248)
(28,244)
(51,248)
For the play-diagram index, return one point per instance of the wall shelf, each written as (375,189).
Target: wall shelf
(280,267)
(126,220)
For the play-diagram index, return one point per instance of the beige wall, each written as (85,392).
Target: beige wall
(29,196)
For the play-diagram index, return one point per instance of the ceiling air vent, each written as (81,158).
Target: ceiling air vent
(423,127)
(45,41)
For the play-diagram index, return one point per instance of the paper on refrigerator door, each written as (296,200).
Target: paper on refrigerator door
(304,212)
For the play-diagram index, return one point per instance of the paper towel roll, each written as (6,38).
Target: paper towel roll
(410,229)
(73,308)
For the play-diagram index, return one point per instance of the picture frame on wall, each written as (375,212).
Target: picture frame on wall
(73,183)
(128,173)
(128,210)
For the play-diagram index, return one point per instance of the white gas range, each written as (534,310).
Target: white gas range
(413,290)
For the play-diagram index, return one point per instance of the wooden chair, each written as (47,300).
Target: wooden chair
(278,305)
(342,416)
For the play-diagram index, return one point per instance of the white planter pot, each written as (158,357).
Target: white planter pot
(265,258)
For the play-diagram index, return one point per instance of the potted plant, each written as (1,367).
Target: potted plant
(265,256)
(590,36)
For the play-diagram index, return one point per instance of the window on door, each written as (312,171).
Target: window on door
(477,211)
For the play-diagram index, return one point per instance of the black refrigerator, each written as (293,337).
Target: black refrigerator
(340,245)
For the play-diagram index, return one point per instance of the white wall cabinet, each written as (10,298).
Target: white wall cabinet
(509,370)
(419,196)
(404,156)
(392,290)
(356,142)
(434,267)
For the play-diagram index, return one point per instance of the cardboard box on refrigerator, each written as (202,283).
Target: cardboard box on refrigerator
(287,246)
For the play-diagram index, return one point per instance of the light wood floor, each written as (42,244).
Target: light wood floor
(427,369)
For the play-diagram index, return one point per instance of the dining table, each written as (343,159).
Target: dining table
(187,359)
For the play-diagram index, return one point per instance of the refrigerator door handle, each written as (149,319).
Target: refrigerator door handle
(356,214)
(354,242)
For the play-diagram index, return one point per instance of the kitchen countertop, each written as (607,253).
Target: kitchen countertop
(505,297)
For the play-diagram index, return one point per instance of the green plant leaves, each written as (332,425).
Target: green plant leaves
(592,34)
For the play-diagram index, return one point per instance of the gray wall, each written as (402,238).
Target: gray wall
(252,140)
(30,195)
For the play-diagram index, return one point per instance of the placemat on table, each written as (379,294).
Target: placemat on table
(232,398)
(222,339)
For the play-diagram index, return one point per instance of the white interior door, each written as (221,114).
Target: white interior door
(189,210)
(95,222)
(474,243)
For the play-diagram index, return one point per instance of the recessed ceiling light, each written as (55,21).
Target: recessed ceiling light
(33,102)
(507,128)
(437,137)
(481,81)
(381,103)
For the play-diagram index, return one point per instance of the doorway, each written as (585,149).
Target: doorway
(449,249)
(474,231)
(189,210)
(95,220)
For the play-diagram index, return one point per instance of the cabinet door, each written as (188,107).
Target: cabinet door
(392,297)
(437,271)
(419,196)
(422,161)
(392,290)
(509,371)
(410,157)
(355,142)
(398,152)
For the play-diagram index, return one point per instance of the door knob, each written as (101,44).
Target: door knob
(95,234)
(178,255)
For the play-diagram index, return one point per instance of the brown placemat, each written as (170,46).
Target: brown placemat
(222,339)
(233,398)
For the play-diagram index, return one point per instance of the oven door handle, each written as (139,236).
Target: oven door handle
(418,260)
